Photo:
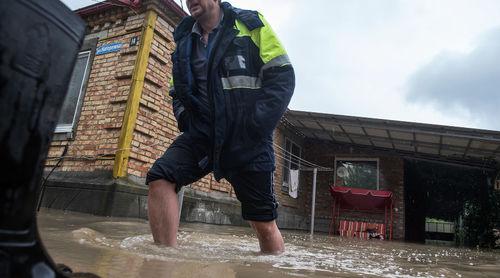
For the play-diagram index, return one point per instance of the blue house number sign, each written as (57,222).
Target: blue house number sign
(108,48)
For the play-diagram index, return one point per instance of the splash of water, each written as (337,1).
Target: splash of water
(325,255)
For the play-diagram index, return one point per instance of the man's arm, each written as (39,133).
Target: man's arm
(277,77)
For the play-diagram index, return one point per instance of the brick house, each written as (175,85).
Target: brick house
(118,119)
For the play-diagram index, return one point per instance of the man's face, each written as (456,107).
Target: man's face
(199,8)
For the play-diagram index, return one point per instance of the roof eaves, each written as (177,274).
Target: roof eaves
(95,8)
(105,5)
(175,8)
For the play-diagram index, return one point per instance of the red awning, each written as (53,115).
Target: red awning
(361,199)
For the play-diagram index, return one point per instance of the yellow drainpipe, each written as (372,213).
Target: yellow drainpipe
(130,117)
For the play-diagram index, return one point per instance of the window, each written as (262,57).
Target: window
(355,172)
(74,96)
(70,111)
(291,162)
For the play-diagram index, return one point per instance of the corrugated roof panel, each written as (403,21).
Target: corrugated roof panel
(353,129)
(401,135)
(475,154)
(402,147)
(307,133)
(452,152)
(382,144)
(427,150)
(323,135)
(342,139)
(362,141)
(427,138)
(484,145)
(331,127)
(377,132)
(453,141)
(310,124)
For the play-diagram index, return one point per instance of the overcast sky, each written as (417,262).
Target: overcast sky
(430,61)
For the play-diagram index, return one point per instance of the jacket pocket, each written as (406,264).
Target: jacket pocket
(237,60)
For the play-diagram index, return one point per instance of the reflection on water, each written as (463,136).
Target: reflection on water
(114,247)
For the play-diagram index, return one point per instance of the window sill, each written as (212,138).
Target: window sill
(62,136)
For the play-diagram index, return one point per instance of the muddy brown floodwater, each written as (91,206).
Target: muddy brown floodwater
(119,247)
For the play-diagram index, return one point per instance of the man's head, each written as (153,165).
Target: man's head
(202,8)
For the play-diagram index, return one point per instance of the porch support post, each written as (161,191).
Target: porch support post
(313,208)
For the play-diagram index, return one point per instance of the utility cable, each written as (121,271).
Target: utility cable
(42,187)
(312,165)
(320,168)
(304,162)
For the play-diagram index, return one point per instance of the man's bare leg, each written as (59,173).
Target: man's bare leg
(270,239)
(163,212)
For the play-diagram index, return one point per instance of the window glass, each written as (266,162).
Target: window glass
(286,162)
(295,163)
(74,95)
(359,174)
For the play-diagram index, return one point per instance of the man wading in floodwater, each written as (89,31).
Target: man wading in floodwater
(232,82)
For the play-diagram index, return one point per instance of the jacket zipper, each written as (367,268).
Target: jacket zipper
(211,92)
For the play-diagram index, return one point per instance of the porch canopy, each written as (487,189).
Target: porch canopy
(451,145)
(361,199)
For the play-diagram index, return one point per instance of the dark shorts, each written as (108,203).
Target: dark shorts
(185,162)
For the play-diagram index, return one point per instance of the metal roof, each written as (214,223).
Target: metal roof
(457,145)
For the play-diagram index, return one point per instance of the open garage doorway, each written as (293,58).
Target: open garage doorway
(453,204)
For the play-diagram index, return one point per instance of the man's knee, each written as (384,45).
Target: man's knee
(264,228)
(160,187)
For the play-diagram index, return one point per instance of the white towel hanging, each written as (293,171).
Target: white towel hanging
(293,188)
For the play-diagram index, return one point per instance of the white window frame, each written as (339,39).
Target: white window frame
(357,159)
(69,128)
(285,185)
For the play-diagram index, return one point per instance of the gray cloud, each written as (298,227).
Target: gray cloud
(469,82)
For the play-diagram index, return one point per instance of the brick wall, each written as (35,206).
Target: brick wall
(98,126)
(155,126)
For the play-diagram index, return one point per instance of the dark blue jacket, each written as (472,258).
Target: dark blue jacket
(250,83)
